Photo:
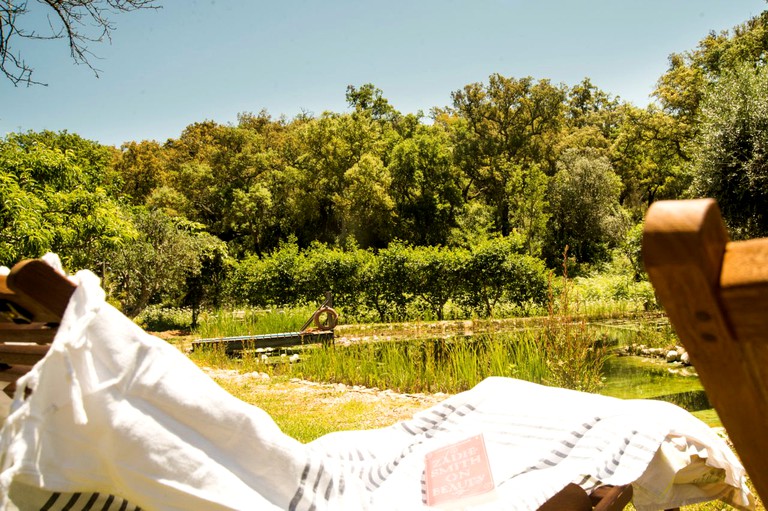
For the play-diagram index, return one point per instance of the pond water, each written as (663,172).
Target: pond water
(633,377)
(642,378)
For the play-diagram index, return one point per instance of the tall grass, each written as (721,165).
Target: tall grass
(435,365)
(573,355)
(250,321)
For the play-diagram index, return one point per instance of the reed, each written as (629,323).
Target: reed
(251,321)
(573,353)
(434,365)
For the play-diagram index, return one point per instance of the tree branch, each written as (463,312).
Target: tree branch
(79,22)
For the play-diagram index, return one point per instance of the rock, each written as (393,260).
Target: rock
(685,358)
(672,356)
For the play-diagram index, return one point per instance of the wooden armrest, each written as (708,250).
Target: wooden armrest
(715,293)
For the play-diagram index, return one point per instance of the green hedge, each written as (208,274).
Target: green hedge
(388,283)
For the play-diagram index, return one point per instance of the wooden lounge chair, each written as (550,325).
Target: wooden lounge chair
(715,292)
(33,298)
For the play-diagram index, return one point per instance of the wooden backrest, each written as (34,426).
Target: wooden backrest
(33,298)
(715,292)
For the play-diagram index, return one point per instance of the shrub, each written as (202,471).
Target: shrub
(497,270)
(332,269)
(268,280)
(156,318)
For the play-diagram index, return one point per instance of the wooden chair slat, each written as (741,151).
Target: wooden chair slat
(40,334)
(24,354)
(607,498)
(37,281)
(12,373)
(33,297)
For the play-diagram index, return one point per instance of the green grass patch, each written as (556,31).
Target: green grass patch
(307,413)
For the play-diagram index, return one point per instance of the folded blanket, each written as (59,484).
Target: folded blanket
(121,420)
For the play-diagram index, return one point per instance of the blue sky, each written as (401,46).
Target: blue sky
(195,60)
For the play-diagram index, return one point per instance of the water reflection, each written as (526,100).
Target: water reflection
(693,401)
(642,378)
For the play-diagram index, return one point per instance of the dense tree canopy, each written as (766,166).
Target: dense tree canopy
(386,208)
(506,128)
(732,150)
(584,205)
(56,192)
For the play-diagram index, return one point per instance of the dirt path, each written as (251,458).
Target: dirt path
(384,407)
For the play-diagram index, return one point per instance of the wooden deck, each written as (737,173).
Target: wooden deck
(234,345)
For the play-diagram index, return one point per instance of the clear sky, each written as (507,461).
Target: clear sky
(197,60)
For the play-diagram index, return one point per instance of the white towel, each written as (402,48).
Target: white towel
(118,416)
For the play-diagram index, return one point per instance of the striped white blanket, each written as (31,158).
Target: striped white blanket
(121,420)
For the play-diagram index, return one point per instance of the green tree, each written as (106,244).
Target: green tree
(497,269)
(154,267)
(336,270)
(584,206)
(330,147)
(425,186)
(683,87)
(474,224)
(387,286)
(268,279)
(366,209)
(436,274)
(647,155)
(731,160)
(507,126)
(592,117)
(527,192)
(205,287)
(227,177)
(370,100)
(142,167)
(56,195)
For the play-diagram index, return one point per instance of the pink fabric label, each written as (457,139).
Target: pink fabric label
(458,471)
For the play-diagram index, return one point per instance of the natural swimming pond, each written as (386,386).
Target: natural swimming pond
(460,359)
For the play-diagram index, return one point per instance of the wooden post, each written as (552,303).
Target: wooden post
(715,293)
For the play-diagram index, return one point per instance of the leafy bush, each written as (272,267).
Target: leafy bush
(331,269)
(398,283)
(603,293)
(156,318)
(496,271)
(435,275)
(268,280)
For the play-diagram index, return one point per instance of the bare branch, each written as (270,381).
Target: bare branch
(79,22)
